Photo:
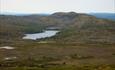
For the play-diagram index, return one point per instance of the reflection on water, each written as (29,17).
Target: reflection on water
(47,33)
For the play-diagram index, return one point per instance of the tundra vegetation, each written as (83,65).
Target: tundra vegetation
(84,42)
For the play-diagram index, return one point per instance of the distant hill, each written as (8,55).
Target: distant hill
(104,15)
(74,27)
(79,27)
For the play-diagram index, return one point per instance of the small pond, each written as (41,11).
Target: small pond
(45,34)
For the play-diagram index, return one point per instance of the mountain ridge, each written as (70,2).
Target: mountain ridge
(70,24)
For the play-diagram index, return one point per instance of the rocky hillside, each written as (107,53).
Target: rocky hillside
(85,28)
(74,27)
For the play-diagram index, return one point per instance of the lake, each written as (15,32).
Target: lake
(45,34)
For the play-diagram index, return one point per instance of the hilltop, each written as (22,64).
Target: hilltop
(73,26)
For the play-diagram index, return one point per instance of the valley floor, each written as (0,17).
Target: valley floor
(50,55)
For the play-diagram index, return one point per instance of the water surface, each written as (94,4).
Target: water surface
(45,34)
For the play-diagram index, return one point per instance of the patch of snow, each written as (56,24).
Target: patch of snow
(10,58)
(7,47)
